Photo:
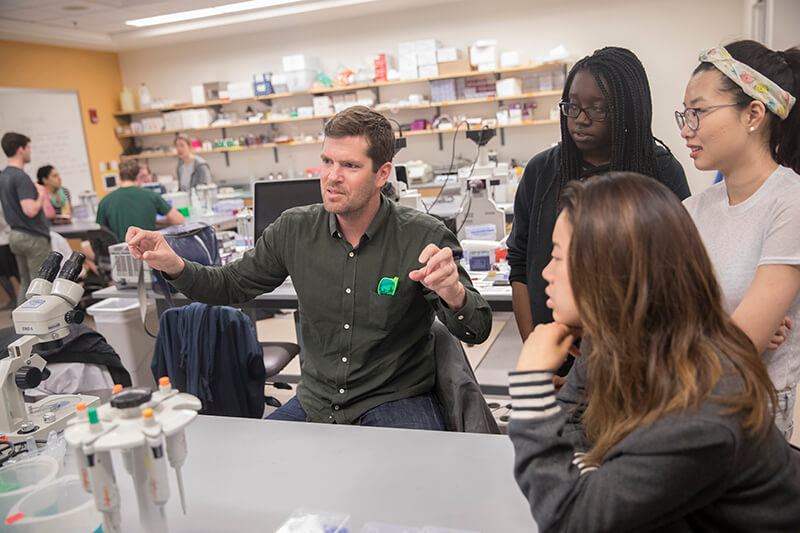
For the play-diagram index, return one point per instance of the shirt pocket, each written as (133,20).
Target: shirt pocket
(381,310)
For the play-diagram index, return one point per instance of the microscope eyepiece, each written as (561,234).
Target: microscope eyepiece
(50,266)
(72,267)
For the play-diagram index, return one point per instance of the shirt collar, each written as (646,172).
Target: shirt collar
(377,222)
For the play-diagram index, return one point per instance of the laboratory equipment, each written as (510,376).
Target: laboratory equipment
(271,198)
(476,182)
(148,429)
(206,198)
(89,201)
(44,321)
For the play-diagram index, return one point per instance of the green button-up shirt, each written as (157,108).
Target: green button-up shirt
(366,339)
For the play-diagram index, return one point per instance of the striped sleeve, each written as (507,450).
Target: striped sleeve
(533,395)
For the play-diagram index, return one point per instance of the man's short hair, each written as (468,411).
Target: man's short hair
(128,170)
(361,121)
(14,141)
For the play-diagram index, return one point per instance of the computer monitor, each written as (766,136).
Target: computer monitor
(271,198)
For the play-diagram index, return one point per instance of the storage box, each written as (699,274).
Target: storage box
(173,120)
(240,90)
(280,83)
(120,322)
(366,97)
(213,88)
(323,105)
(198,94)
(426,46)
(297,62)
(407,48)
(407,62)
(508,87)
(409,74)
(509,59)
(483,52)
(300,80)
(444,55)
(487,67)
(426,58)
(428,71)
(305,111)
(459,66)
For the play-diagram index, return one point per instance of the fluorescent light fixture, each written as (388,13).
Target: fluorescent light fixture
(208,12)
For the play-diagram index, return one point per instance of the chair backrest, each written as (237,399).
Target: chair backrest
(213,353)
(100,240)
(460,397)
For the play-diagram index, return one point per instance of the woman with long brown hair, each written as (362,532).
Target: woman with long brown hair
(671,429)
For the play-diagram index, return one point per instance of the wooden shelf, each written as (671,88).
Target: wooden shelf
(319,141)
(378,85)
(431,105)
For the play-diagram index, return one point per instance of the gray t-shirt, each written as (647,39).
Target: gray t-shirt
(15,185)
(197,166)
(762,230)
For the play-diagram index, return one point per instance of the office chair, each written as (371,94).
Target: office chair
(214,353)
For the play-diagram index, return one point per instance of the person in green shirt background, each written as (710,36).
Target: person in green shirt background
(131,205)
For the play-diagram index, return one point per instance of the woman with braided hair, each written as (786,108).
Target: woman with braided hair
(605,125)
(740,117)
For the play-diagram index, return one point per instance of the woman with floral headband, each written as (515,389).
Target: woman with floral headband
(740,118)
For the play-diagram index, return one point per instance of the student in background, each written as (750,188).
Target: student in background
(606,112)
(192,169)
(676,434)
(740,118)
(131,205)
(58,201)
(23,201)
(144,175)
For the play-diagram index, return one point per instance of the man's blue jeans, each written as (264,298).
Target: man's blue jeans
(417,412)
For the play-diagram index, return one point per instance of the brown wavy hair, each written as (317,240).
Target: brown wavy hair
(648,298)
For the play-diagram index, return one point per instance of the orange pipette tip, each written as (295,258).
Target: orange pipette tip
(164,381)
(147,413)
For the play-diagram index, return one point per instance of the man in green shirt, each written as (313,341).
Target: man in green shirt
(131,205)
(369,276)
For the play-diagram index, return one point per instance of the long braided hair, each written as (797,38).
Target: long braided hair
(622,80)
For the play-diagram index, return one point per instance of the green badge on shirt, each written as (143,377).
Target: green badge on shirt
(387,286)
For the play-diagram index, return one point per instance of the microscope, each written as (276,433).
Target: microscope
(480,208)
(44,321)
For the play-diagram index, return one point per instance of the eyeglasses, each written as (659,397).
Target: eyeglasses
(691,117)
(594,113)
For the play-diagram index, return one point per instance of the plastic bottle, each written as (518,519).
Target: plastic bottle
(144,97)
(126,101)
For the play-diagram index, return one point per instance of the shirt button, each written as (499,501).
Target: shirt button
(461,317)
(341,391)
(336,407)
(344,359)
(351,254)
(348,290)
(347,326)
(330,417)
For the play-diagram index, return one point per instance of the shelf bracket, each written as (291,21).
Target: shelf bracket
(227,159)
(502,136)
(441,143)
(275,153)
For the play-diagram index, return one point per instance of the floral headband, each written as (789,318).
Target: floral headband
(752,82)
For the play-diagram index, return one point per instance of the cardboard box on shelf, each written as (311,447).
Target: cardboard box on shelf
(459,66)
(198,94)
(483,52)
(426,58)
(509,87)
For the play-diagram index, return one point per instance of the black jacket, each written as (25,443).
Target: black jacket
(535,212)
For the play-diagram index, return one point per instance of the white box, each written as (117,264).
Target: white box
(428,71)
(509,59)
(443,55)
(407,48)
(426,46)
(279,83)
(300,62)
(502,118)
(515,116)
(426,58)
(240,90)
(508,87)
(338,103)
(172,120)
(305,111)
(487,67)
(366,97)
(407,62)
(119,321)
(198,94)
(350,99)
(153,124)
(409,74)
(323,105)
(483,52)
(300,80)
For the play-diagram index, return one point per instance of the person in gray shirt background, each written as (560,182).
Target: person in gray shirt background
(23,201)
(192,169)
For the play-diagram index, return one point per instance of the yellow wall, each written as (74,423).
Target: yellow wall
(96,77)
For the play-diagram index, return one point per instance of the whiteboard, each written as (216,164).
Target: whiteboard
(52,120)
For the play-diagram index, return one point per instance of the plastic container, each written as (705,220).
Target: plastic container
(307,520)
(19,479)
(120,322)
(60,505)
(376,527)
(126,101)
(144,97)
